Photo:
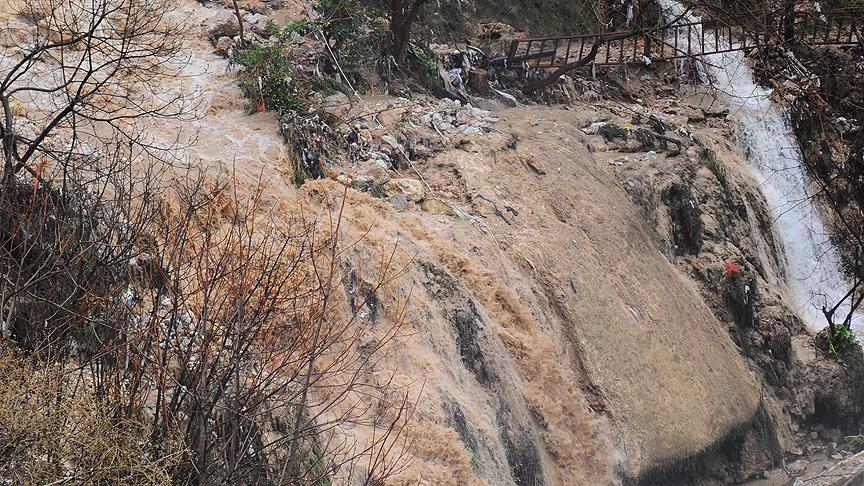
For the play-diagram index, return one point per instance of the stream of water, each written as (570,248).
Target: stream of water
(766,139)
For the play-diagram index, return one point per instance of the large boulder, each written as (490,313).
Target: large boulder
(222,24)
(411,188)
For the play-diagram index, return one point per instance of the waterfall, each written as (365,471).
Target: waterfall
(764,134)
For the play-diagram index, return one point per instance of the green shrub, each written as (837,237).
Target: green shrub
(839,340)
(423,65)
(267,79)
(611,131)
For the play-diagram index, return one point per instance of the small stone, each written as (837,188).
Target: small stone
(399,202)
(462,117)
(593,128)
(224,45)
(470,130)
(436,206)
(798,467)
(373,171)
(260,23)
(392,142)
(836,457)
(412,189)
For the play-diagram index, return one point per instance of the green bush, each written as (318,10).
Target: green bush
(840,339)
(611,131)
(267,79)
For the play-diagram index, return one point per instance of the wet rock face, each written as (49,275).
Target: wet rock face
(717,217)
(482,358)
(838,386)
(686,223)
(751,447)
(521,455)
(467,323)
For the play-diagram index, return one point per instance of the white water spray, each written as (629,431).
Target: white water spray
(764,134)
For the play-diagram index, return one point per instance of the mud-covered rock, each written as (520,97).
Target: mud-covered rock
(412,189)
(222,24)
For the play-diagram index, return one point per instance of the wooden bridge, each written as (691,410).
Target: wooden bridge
(682,39)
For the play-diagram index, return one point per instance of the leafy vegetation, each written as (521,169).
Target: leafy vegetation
(612,131)
(266,79)
(839,341)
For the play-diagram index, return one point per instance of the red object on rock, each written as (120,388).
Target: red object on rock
(262,106)
(38,173)
(732,269)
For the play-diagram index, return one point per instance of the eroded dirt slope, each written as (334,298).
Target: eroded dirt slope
(555,339)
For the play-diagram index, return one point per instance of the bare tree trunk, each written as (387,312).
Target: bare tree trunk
(402,18)
(239,22)
(789,22)
(8,133)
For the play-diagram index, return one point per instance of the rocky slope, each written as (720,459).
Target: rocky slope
(572,317)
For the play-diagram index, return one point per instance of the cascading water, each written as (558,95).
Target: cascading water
(765,136)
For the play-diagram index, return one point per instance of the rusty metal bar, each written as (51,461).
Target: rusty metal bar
(567,54)
(542,44)
(838,30)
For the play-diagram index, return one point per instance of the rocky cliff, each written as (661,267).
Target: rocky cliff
(586,302)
